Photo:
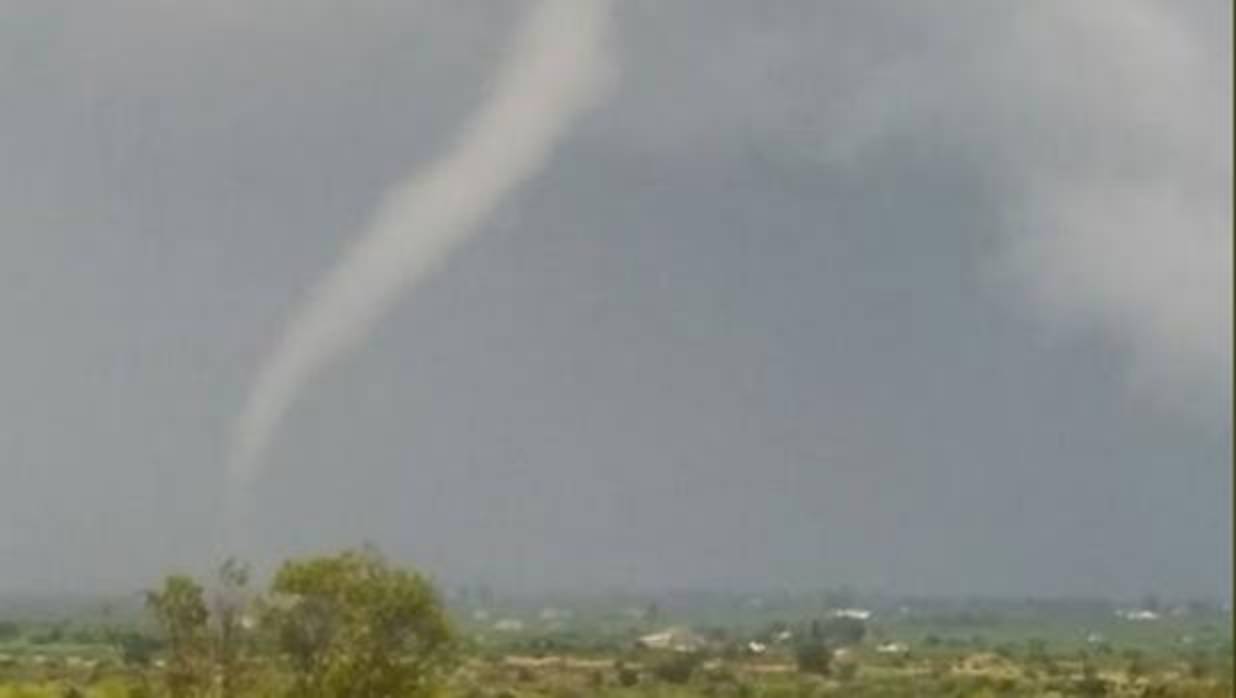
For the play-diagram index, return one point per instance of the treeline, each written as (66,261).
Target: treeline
(351,625)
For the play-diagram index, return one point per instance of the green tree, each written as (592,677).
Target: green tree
(180,609)
(228,603)
(354,626)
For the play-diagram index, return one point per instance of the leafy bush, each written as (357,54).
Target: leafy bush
(1091,685)
(627,676)
(676,668)
(814,658)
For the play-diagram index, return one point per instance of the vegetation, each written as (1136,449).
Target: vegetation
(181,613)
(356,625)
(677,667)
(353,626)
(814,657)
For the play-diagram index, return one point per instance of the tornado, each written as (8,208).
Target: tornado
(557,68)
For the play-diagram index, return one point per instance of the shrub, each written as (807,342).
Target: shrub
(677,668)
(627,676)
(1091,685)
(1199,666)
(1137,663)
(847,671)
(814,658)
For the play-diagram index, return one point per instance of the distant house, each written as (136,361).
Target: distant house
(855,613)
(893,648)
(509,625)
(756,647)
(676,639)
(551,614)
(1137,614)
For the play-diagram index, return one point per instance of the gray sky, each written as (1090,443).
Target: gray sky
(932,297)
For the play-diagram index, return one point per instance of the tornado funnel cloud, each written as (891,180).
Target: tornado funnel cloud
(557,68)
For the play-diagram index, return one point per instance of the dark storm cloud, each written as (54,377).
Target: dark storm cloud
(933,298)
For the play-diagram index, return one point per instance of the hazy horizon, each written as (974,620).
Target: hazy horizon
(933,299)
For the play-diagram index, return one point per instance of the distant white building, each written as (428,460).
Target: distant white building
(1137,614)
(855,613)
(674,639)
(553,614)
(893,648)
(756,647)
(509,625)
